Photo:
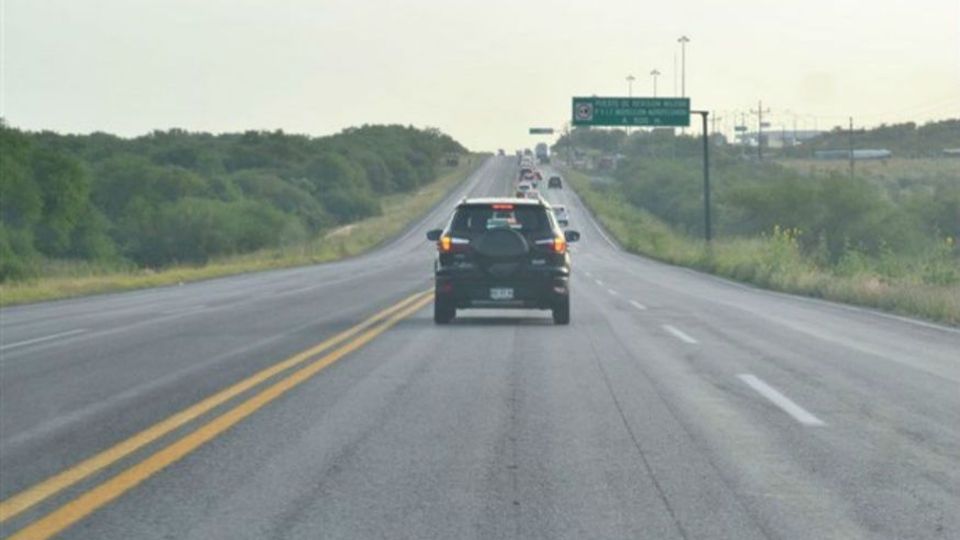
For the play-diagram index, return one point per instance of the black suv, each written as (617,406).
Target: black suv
(555,182)
(502,253)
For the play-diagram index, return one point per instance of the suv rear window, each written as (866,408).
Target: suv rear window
(477,219)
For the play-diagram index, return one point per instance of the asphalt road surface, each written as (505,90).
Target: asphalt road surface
(676,405)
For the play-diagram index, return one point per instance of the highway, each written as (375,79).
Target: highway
(675,405)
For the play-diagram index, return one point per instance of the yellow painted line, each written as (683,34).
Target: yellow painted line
(90,501)
(29,497)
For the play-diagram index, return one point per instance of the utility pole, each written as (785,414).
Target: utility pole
(851,147)
(683,40)
(707,223)
(715,119)
(759,112)
(630,79)
(655,73)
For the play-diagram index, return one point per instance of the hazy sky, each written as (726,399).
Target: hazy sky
(483,71)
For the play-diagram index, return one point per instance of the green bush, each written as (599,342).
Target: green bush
(176,196)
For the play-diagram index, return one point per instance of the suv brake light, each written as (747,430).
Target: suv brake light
(559,245)
(450,244)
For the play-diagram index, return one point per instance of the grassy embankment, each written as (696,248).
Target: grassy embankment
(776,261)
(65,280)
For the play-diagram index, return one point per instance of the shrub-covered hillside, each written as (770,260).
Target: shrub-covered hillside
(175,196)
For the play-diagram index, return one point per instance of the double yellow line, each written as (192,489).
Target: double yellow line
(102,494)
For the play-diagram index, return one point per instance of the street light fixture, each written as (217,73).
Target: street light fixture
(630,79)
(655,73)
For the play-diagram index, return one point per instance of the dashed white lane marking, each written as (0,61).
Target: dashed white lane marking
(679,334)
(588,274)
(638,305)
(612,292)
(788,405)
(42,339)
(600,283)
(185,310)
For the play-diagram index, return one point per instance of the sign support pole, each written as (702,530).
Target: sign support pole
(707,225)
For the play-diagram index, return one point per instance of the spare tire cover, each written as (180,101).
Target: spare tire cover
(501,252)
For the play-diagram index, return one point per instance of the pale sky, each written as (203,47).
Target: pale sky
(482,71)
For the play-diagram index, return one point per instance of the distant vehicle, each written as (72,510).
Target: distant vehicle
(543,152)
(560,212)
(502,253)
(527,152)
(555,182)
(500,152)
(522,189)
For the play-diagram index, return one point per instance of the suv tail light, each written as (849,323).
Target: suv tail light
(557,244)
(452,244)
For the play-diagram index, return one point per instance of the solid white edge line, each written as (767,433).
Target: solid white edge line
(786,404)
(679,334)
(42,339)
(638,305)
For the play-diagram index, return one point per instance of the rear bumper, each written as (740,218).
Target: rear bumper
(541,293)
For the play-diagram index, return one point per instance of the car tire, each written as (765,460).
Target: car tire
(443,311)
(561,311)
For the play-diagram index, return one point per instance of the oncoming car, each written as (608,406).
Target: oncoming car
(502,253)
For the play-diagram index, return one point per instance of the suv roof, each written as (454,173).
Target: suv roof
(484,201)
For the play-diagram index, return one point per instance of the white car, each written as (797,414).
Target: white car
(560,212)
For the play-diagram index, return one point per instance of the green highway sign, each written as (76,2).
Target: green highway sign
(622,111)
(541,131)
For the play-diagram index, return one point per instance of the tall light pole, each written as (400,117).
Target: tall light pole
(683,40)
(630,79)
(674,73)
(655,73)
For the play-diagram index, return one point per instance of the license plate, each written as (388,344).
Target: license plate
(501,293)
